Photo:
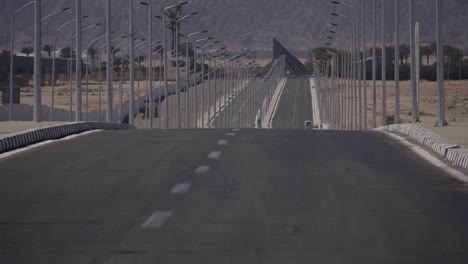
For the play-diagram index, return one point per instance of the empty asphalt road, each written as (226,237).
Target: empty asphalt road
(295,105)
(224,196)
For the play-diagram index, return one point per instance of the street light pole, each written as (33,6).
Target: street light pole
(414,111)
(384,69)
(364,61)
(12,54)
(78,117)
(132,69)
(374,65)
(440,66)
(37,60)
(110,103)
(397,61)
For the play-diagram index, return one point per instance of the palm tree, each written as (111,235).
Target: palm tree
(49,49)
(404,53)
(27,50)
(426,51)
(173,15)
(92,53)
(65,52)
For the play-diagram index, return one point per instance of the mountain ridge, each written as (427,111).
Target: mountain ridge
(239,24)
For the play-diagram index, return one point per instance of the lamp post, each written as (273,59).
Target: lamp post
(397,61)
(360,64)
(108,45)
(209,85)
(53,61)
(166,119)
(177,22)
(150,61)
(132,69)
(195,76)
(203,79)
(354,69)
(374,65)
(37,60)
(12,54)
(110,103)
(440,66)
(78,61)
(78,117)
(99,78)
(414,111)
(187,69)
(384,69)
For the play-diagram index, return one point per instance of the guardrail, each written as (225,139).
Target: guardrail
(28,137)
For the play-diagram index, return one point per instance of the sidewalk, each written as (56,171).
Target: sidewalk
(7,127)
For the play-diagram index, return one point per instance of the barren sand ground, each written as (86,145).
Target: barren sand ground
(456,105)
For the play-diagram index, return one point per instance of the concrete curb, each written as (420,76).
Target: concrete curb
(27,137)
(458,157)
(435,142)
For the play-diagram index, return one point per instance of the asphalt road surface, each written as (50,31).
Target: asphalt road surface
(208,196)
(295,106)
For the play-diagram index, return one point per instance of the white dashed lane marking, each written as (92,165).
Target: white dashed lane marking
(157,219)
(236,129)
(202,169)
(223,142)
(230,134)
(181,188)
(214,155)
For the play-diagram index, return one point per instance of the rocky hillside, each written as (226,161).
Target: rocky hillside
(241,23)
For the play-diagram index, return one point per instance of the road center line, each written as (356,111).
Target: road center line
(223,142)
(181,188)
(214,155)
(156,220)
(202,169)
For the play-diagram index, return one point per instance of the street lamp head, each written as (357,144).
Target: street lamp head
(160,17)
(210,38)
(334,24)
(66,8)
(334,14)
(144,3)
(204,31)
(98,24)
(335,2)
(194,13)
(85,16)
(332,32)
